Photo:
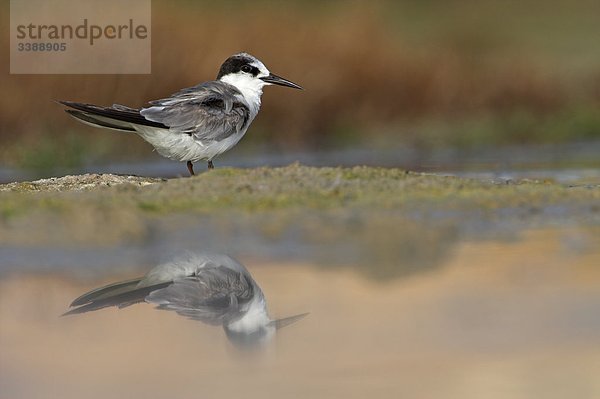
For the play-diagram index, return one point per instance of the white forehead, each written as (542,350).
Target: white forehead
(261,67)
(255,63)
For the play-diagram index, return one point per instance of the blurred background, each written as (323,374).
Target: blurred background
(451,294)
(426,85)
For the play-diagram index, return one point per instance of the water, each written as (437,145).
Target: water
(497,317)
(570,163)
(436,303)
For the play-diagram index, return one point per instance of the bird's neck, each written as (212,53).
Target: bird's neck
(255,317)
(251,89)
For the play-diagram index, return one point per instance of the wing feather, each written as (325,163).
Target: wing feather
(213,296)
(210,111)
(107,290)
(115,112)
(213,289)
(121,299)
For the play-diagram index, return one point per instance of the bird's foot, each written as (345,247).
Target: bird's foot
(190,167)
(210,165)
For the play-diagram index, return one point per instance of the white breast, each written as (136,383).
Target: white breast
(183,147)
(254,318)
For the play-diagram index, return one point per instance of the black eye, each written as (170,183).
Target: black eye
(246,68)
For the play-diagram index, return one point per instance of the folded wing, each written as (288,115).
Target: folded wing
(214,296)
(211,111)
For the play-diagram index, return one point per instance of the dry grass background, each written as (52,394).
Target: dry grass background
(458,73)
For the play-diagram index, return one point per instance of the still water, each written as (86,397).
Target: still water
(498,316)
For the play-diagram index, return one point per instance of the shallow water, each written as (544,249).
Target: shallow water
(449,302)
(502,316)
(575,163)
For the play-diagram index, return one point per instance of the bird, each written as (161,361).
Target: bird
(209,287)
(196,123)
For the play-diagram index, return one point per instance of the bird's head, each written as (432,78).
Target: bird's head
(256,336)
(248,73)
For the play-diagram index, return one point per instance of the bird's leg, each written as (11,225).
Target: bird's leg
(210,165)
(190,166)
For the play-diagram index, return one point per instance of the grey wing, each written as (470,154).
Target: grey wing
(211,111)
(119,294)
(215,295)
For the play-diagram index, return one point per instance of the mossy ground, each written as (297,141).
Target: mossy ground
(386,221)
(292,187)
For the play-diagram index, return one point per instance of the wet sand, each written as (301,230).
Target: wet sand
(500,319)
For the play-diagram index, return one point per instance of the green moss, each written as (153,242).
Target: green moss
(24,187)
(300,187)
(386,221)
(148,206)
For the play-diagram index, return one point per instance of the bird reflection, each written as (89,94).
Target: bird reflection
(212,288)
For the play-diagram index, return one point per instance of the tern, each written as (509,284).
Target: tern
(211,288)
(196,123)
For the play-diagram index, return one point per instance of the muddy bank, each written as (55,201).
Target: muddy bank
(295,186)
(78,183)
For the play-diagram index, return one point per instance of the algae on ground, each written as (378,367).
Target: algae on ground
(291,187)
(387,222)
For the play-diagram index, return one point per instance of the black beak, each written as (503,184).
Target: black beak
(276,80)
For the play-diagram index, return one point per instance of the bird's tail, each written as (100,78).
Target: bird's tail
(96,121)
(117,117)
(119,294)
